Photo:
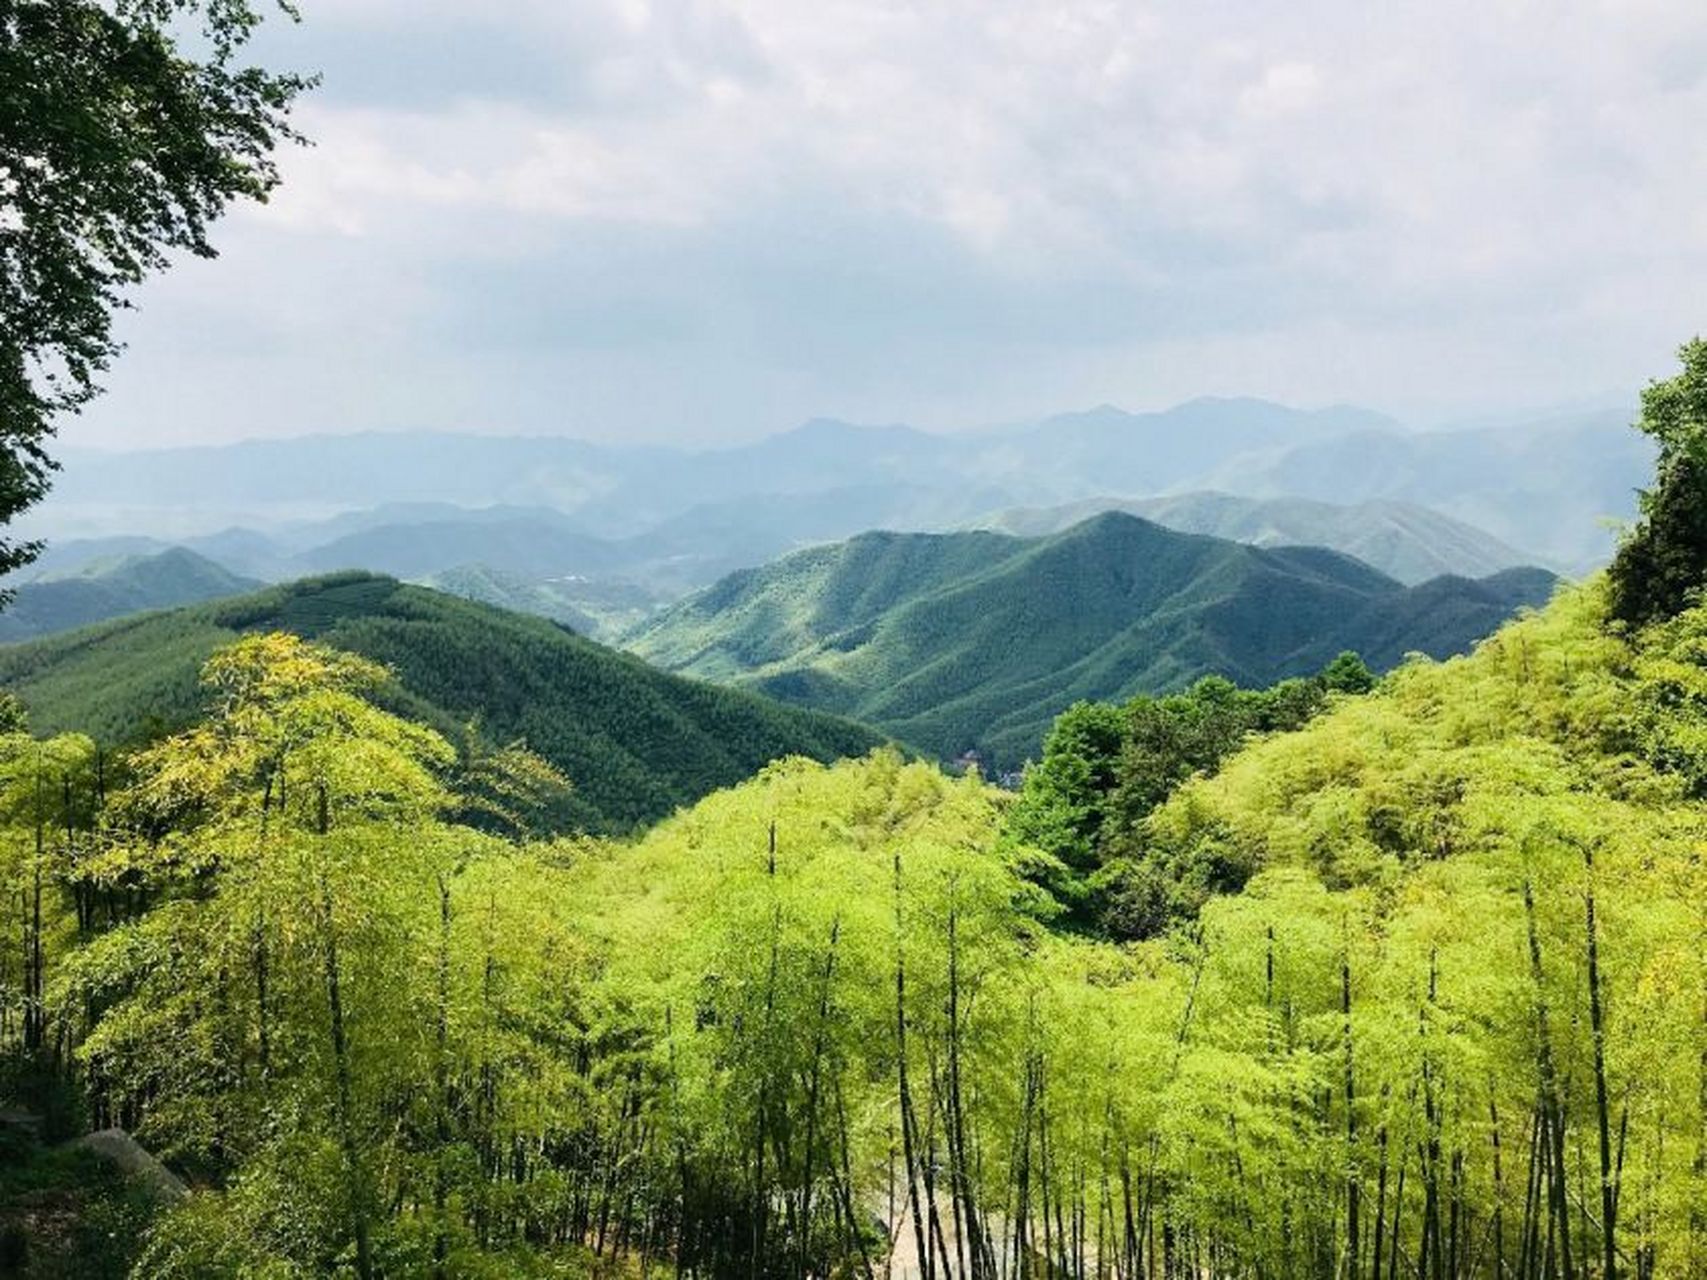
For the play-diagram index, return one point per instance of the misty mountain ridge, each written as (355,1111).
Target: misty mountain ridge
(1409,542)
(1551,486)
(1243,446)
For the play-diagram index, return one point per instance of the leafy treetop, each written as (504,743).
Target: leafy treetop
(1663,562)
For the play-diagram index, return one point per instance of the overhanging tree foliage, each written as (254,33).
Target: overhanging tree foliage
(1663,562)
(126,128)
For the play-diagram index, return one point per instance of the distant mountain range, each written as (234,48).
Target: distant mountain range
(113,587)
(976,640)
(1088,555)
(634,741)
(1542,488)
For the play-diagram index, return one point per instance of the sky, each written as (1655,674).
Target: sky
(705,221)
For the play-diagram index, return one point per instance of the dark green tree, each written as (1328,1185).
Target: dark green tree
(1105,769)
(1169,739)
(14,717)
(1063,802)
(1348,673)
(1663,561)
(126,128)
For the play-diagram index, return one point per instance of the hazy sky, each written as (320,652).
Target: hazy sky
(703,221)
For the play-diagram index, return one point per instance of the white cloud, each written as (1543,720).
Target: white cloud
(1064,189)
(1283,89)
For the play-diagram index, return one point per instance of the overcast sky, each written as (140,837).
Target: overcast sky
(705,221)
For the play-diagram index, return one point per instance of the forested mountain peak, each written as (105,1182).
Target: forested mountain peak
(974,641)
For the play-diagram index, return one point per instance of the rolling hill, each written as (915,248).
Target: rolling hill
(1405,541)
(113,587)
(635,741)
(604,532)
(975,640)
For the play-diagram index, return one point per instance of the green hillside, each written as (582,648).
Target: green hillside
(976,640)
(634,741)
(114,587)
